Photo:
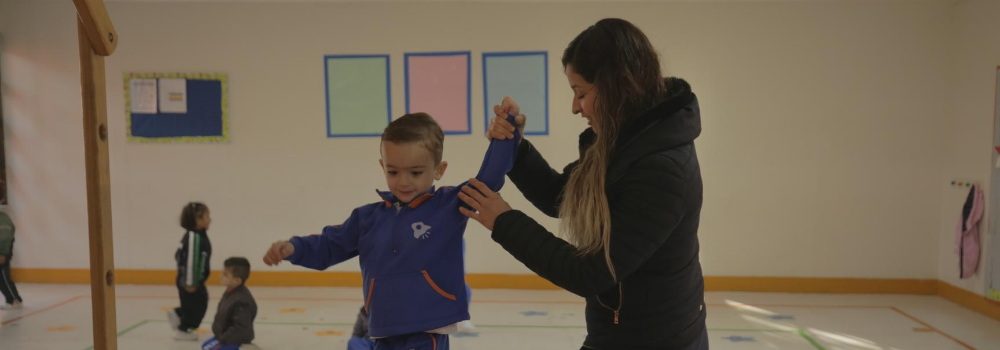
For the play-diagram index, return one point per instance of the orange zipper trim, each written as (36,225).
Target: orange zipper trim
(436,288)
(371,287)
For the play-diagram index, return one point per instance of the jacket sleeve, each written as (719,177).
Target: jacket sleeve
(650,207)
(189,258)
(240,330)
(192,260)
(539,183)
(498,161)
(6,239)
(335,245)
(203,255)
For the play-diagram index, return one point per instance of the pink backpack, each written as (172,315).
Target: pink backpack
(967,233)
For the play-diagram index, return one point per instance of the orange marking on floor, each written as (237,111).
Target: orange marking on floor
(64,302)
(328,333)
(742,305)
(928,326)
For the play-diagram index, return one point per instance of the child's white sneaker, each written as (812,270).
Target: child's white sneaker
(173,320)
(466,327)
(15,306)
(182,335)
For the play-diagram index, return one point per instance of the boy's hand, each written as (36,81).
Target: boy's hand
(3,259)
(191,289)
(499,127)
(278,252)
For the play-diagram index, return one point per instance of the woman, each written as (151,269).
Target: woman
(630,206)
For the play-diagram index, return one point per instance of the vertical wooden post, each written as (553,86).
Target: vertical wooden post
(95,138)
(98,38)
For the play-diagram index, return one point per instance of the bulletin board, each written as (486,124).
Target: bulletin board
(177,107)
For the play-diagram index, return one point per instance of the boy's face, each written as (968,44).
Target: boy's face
(409,169)
(228,280)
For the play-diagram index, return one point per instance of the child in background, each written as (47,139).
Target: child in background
(233,326)
(192,270)
(410,242)
(359,337)
(13,300)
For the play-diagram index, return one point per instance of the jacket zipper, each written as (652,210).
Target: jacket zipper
(621,299)
(392,232)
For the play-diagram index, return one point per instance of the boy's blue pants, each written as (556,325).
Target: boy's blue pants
(213,344)
(416,341)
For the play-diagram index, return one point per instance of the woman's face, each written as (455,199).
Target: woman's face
(584,97)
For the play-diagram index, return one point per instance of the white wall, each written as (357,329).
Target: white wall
(822,124)
(976,46)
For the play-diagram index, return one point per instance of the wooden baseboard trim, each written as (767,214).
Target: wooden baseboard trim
(820,285)
(57,276)
(499,281)
(969,300)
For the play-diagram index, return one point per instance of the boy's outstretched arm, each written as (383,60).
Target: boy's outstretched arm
(334,245)
(499,160)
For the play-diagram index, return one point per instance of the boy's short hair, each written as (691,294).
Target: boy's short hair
(239,267)
(417,127)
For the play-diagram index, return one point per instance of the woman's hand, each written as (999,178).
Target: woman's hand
(500,128)
(488,204)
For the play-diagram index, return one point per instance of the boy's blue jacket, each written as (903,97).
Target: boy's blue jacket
(411,254)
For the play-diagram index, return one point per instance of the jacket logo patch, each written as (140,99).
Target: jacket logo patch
(420,230)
